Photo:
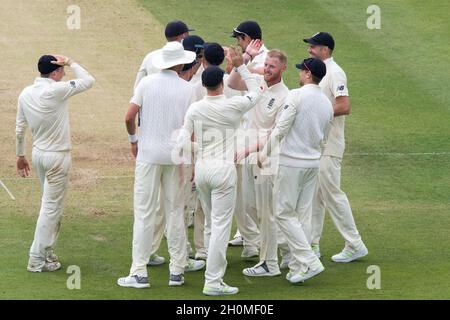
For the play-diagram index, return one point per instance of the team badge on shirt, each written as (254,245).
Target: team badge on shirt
(340,88)
(271,102)
(73,84)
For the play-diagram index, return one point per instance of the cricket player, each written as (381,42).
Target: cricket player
(302,128)
(43,107)
(249,38)
(163,99)
(214,121)
(246,33)
(329,194)
(259,187)
(175,31)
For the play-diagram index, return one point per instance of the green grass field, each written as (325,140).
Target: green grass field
(396,170)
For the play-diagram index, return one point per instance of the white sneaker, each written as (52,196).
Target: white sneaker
(176,280)
(237,241)
(302,276)
(347,255)
(285,261)
(260,270)
(194,265)
(155,260)
(201,256)
(249,252)
(47,267)
(223,290)
(135,281)
(316,249)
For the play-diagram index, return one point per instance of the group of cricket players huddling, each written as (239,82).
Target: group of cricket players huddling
(238,143)
(218,144)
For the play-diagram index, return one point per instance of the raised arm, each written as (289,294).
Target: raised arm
(82,82)
(249,100)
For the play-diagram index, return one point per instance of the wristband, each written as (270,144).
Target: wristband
(132,138)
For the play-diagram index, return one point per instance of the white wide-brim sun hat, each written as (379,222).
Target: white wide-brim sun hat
(172,54)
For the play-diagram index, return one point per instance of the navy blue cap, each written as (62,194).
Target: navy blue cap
(250,28)
(45,66)
(321,39)
(175,28)
(193,43)
(213,53)
(212,76)
(313,65)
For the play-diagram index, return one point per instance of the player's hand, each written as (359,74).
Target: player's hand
(254,48)
(134,149)
(62,60)
(236,56)
(23,167)
(229,63)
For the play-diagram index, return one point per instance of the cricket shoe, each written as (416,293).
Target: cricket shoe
(303,276)
(194,265)
(348,255)
(237,241)
(260,270)
(249,253)
(223,290)
(155,260)
(176,280)
(47,267)
(316,249)
(135,281)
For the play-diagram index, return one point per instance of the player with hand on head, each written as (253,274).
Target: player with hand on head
(43,107)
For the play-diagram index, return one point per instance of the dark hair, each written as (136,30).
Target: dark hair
(215,87)
(315,79)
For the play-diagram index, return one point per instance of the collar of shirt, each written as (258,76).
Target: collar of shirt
(221,96)
(43,80)
(311,85)
(170,72)
(328,60)
(276,86)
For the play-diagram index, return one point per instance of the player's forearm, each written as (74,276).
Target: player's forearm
(235,81)
(341,106)
(254,92)
(20,144)
(86,80)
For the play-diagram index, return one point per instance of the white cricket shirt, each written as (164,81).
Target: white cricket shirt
(214,121)
(43,107)
(334,85)
(163,98)
(302,127)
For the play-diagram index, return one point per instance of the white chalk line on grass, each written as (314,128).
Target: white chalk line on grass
(362,154)
(7,190)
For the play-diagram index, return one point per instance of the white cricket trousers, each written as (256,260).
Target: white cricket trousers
(52,168)
(294,190)
(265,209)
(216,185)
(246,211)
(149,178)
(329,195)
